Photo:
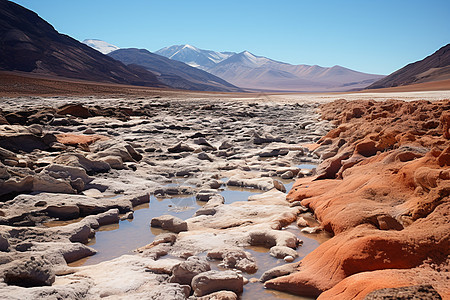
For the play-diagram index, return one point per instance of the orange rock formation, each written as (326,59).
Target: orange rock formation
(384,193)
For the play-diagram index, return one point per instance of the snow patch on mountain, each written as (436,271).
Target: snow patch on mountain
(100,45)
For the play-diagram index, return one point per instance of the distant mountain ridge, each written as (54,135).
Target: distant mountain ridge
(434,67)
(173,73)
(252,72)
(30,44)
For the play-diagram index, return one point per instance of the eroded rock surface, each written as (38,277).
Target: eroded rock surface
(383,190)
(89,162)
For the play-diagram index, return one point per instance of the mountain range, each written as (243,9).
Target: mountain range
(30,44)
(432,68)
(252,72)
(173,73)
(231,70)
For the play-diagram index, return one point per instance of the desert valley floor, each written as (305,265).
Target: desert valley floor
(170,195)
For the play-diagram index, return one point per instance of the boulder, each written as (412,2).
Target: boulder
(4,244)
(76,110)
(47,183)
(180,147)
(79,160)
(234,257)
(29,272)
(221,295)
(170,223)
(264,184)
(270,238)
(185,271)
(282,252)
(214,281)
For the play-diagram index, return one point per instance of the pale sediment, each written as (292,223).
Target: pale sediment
(91,162)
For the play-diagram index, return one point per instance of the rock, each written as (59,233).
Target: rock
(302,222)
(67,172)
(287,175)
(289,258)
(6,154)
(170,223)
(225,145)
(185,271)
(221,295)
(63,212)
(258,139)
(283,252)
(3,120)
(206,195)
(163,266)
(233,257)
(278,272)
(311,230)
(108,217)
(70,252)
(128,216)
(79,160)
(79,140)
(204,156)
(270,238)
(180,147)
(166,238)
(273,153)
(168,291)
(47,183)
(213,281)
(405,293)
(172,191)
(76,110)
(4,172)
(4,244)
(31,272)
(203,142)
(115,162)
(214,184)
(264,184)
(330,167)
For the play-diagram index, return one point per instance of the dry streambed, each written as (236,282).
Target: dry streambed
(93,162)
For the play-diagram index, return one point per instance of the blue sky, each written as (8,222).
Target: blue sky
(378,36)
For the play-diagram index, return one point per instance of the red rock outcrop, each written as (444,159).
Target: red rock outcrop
(80,140)
(385,195)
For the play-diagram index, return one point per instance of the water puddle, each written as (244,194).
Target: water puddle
(114,240)
(307,166)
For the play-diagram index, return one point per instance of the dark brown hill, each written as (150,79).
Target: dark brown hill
(432,68)
(30,44)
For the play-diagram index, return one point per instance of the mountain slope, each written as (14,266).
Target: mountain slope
(432,68)
(173,73)
(30,44)
(252,72)
(101,46)
(202,59)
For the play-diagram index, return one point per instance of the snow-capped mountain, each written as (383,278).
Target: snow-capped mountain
(202,59)
(174,73)
(253,72)
(101,46)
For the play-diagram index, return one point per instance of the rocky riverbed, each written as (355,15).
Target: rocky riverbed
(89,162)
(72,167)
